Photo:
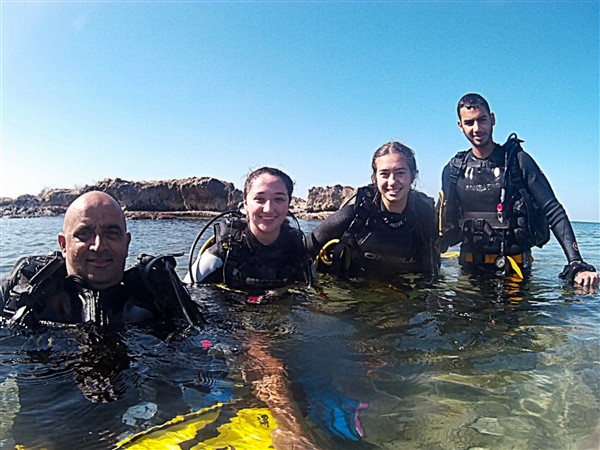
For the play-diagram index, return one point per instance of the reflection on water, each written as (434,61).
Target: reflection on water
(466,363)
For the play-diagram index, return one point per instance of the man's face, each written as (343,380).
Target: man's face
(478,126)
(95,242)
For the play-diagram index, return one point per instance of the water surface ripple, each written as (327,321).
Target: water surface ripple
(466,363)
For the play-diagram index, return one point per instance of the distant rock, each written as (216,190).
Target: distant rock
(188,194)
(329,198)
(190,197)
(297,205)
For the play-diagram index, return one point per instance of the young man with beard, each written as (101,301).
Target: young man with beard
(497,203)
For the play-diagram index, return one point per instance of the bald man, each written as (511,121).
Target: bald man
(94,240)
(87,281)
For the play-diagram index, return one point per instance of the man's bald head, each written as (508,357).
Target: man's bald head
(94,240)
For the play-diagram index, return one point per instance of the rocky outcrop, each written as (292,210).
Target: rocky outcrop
(188,194)
(194,196)
(29,206)
(329,198)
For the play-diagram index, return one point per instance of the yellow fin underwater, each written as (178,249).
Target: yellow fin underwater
(216,427)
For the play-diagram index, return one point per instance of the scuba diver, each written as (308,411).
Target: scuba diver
(390,228)
(260,251)
(496,202)
(86,281)
(257,251)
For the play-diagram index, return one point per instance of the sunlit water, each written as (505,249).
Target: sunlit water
(465,364)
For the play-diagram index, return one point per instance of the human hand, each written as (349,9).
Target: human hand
(587,279)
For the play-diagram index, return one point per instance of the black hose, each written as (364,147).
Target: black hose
(198,237)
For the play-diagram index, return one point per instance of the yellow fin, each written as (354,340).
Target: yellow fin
(450,255)
(515,267)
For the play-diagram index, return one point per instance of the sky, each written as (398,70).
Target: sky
(161,90)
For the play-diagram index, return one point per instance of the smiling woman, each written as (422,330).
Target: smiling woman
(260,250)
(267,195)
(388,231)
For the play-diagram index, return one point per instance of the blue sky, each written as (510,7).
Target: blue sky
(159,90)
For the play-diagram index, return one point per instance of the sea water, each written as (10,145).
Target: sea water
(467,363)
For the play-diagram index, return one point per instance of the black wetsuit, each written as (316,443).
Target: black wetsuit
(376,243)
(55,297)
(470,216)
(240,261)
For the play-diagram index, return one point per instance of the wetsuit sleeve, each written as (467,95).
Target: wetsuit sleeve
(331,228)
(540,189)
(206,264)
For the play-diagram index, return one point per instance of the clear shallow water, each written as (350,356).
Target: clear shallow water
(464,364)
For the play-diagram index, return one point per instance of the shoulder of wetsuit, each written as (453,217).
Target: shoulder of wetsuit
(424,207)
(288,229)
(293,238)
(32,279)
(422,202)
(425,210)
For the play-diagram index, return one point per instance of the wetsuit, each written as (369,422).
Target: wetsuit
(376,243)
(38,289)
(471,213)
(240,261)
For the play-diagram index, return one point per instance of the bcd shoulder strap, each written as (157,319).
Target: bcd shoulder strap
(458,165)
(538,226)
(32,279)
(158,276)
(448,210)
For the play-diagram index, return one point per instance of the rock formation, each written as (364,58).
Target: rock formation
(194,196)
(188,194)
(329,198)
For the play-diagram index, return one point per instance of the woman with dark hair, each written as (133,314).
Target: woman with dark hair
(388,231)
(261,250)
(257,251)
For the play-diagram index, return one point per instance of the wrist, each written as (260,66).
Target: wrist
(574,268)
